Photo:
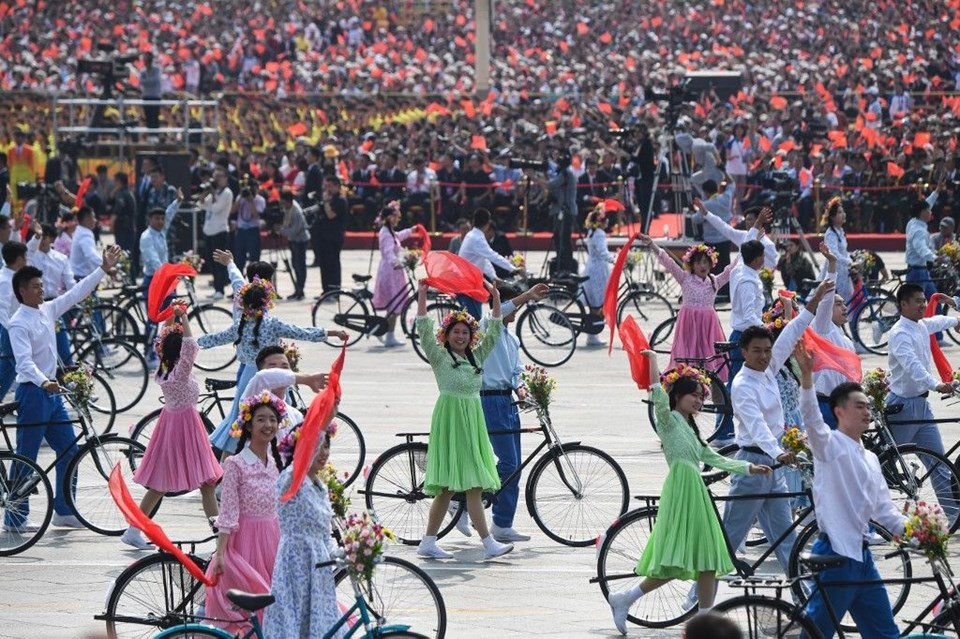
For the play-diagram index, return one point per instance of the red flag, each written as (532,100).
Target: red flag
(453,275)
(164,282)
(82,192)
(829,356)
(322,408)
(613,287)
(939,359)
(635,341)
(894,170)
(138,519)
(425,244)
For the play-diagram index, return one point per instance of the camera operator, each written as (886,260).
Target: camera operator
(294,228)
(328,233)
(562,188)
(247,209)
(216,200)
(706,156)
(642,167)
(721,205)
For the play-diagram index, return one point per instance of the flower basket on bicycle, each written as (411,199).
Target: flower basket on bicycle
(364,541)
(78,380)
(538,386)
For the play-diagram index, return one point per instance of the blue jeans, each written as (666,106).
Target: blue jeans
(828,417)
(471,305)
(736,363)
(926,436)
(868,604)
(500,414)
(922,277)
(37,406)
(8,366)
(773,513)
(63,344)
(246,246)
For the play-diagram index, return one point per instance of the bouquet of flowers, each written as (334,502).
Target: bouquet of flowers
(876,385)
(364,540)
(951,251)
(292,351)
(410,258)
(80,384)
(795,441)
(518,260)
(633,259)
(124,267)
(192,259)
(766,278)
(339,501)
(538,385)
(926,529)
(864,260)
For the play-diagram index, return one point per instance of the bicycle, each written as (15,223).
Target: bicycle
(764,616)
(25,485)
(546,334)
(572,492)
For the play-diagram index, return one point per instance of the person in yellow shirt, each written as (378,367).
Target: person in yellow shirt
(21,163)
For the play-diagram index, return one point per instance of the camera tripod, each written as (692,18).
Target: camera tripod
(681,190)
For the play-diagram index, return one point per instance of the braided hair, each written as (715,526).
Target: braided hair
(245,437)
(469,355)
(257,298)
(170,349)
(686,386)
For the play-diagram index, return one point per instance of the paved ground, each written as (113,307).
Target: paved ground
(54,589)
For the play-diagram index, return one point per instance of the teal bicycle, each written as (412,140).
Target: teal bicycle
(252,603)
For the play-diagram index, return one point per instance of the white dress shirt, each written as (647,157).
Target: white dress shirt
(57,274)
(909,358)
(756,396)
(476,250)
(826,380)
(848,487)
(270,379)
(738,237)
(8,301)
(84,258)
(746,298)
(217,218)
(33,332)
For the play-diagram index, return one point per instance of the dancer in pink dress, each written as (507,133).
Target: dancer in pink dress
(391,279)
(248,524)
(698,326)
(178,456)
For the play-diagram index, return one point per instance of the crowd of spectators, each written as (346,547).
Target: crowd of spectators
(858,98)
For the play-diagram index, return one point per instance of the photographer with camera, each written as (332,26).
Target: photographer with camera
(294,228)
(329,230)
(247,209)
(562,188)
(706,156)
(216,200)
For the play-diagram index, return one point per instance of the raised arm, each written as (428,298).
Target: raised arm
(783,347)
(665,258)
(823,320)
(818,433)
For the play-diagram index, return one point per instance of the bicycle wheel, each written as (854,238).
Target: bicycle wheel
(88,473)
(573,495)
(103,405)
(647,308)
(870,323)
(661,340)
(916,474)
(400,593)
(194,631)
(394,493)
(892,563)
(546,335)
(156,592)
(122,365)
(119,323)
(142,430)
(348,449)
(436,310)
(767,617)
(620,551)
(341,310)
(207,319)
(24,490)
(720,482)
(711,414)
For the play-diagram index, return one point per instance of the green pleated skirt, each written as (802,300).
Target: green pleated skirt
(459,455)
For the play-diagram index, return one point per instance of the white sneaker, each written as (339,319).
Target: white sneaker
(133,537)
(463,521)
(66,521)
(217,296)
(594,341)
(620,607)
(431,550)
(493,548)
(25,527)
(390,341)
(507,534)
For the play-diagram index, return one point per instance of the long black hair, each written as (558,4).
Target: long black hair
(170,347)
(257,297)
(245,436)
(686,386)
(469,355)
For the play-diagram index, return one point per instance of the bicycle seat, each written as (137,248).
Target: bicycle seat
(360,279)
(821,562)
(250,602)
(892,409)
(8,408)
(131,289)
(899,272)
(725,347)
(219,384)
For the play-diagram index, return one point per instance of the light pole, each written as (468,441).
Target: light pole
(482,13)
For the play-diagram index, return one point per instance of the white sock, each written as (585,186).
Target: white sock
(133,530)
(635,593)
(429,540)
(490,541)
(704,609)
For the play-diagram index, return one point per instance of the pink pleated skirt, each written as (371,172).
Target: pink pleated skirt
(178,456)
(694,335)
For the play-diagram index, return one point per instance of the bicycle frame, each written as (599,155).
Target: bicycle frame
(359,605)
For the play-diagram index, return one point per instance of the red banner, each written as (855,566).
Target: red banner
(453,275)
(613,288)
(164,283)
(939,359)
(635,341)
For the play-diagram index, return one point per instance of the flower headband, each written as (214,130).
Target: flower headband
(457,317)
(393,206)
(672,376)
(288,443)
(170,329)
(832,202)
(597,217)
(255,313)
(696,249)
(250,404)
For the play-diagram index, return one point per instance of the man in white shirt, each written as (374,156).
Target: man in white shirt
(217,203)
(57,276)
(849,491)
(84,258)
(760,422)
(476,250)
(32,331)
(14,259)
(911,382)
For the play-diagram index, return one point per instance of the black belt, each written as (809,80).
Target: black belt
(756,450)
(823,537)
(490,393)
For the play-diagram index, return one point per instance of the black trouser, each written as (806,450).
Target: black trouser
(562,229)
(298,261)
(723,250)
(152,114)
(218,241)
(329,258)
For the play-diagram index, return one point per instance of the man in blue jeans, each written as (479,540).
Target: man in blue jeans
(32,330)
(848,491)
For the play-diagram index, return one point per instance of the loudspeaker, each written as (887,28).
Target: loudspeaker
(725,83)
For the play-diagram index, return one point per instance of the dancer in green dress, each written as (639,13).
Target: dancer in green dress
(459,454)
(686,541)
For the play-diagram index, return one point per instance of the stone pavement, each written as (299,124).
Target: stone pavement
(541,589)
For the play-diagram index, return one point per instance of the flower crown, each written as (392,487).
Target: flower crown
(696,249)
(834,201)
(394,207)
(773,317)
(170,329)
(250,404)
(255,313)
(457,317)
(597,218)
(288,443)
(672,376)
